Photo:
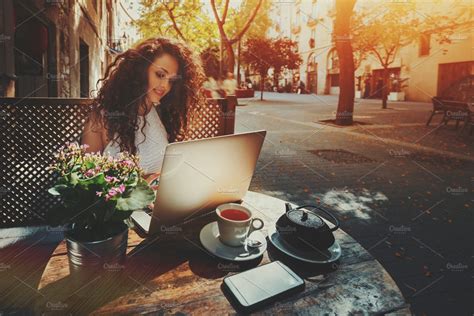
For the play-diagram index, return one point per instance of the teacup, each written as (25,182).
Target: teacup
(235,223)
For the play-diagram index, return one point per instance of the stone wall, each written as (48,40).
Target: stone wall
(69,22)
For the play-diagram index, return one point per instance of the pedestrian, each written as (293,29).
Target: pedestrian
(211,85)
(301,88)
(367,87)
(229,85)
(144,102)
(249,83)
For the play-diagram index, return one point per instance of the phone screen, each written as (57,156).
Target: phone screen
(262,283)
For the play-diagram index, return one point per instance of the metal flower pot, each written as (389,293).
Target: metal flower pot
(87,258)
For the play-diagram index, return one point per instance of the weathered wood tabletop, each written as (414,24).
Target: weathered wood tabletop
(173,273)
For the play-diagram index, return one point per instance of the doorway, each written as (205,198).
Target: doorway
(84,69)
(452,73)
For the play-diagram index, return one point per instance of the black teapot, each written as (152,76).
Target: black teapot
(305,229)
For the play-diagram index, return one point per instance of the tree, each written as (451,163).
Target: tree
(210,62)
(188,21)
(262,54)
(260,25)
(259,28)
(179,19)
(383,35)
(226,40)
(284,57)
(345,106)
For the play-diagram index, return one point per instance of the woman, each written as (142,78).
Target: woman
(145,101)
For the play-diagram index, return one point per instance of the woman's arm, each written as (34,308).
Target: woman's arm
(94,135)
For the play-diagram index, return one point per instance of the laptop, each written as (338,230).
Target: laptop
(198,175)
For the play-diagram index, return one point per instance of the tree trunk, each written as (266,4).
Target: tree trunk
(345,106)
(230,56)
(238,65)
(385,88)
(262,84)
(224,39)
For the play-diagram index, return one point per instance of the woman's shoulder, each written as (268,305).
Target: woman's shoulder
(94,126)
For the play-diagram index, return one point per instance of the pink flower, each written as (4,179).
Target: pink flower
(128,163)
(89,173)
(111,179)
(114,191)
(98,193)
(121,188)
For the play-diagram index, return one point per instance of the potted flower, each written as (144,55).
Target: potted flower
(98,193)
(396,93)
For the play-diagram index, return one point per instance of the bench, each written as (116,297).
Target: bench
(32,129)
(451,110)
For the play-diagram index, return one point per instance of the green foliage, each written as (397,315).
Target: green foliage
(133,199)
(181,19)
(190,21)
(261,24)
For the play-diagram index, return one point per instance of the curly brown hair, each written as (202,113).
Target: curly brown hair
(124,88)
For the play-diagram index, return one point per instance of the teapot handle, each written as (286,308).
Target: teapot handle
(335,221)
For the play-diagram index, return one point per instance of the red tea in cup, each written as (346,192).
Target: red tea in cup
(235,215)
(235,223)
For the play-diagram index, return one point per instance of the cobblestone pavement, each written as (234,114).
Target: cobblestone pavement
(401,189)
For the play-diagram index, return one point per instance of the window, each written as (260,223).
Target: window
(333,60)
(312,40)
(335,80)
(312,64)
(425,44)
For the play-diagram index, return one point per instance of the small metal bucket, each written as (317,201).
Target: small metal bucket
(88,258)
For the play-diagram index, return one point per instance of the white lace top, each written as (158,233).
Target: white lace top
(150,150)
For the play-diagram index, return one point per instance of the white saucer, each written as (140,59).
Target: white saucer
(209,237)
(313,256)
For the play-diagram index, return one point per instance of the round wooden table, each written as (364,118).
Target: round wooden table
(173,273)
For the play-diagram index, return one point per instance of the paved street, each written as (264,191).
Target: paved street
(401,189)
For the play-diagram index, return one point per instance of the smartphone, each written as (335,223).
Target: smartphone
(257,287)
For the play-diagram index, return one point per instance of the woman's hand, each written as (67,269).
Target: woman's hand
(152,177)
(149,179)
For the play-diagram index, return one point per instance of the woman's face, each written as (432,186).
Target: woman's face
(161,75)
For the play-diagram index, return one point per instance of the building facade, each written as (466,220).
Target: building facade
(58,48)
(426,67)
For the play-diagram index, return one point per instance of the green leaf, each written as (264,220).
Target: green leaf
(97,179)
(132,180)
(138,198)
(73,178)
(57,189)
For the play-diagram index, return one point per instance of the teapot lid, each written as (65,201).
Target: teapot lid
(305,218)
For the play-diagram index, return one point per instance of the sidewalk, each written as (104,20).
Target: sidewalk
(399,188)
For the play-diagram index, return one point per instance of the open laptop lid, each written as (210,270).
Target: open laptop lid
(200,174)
